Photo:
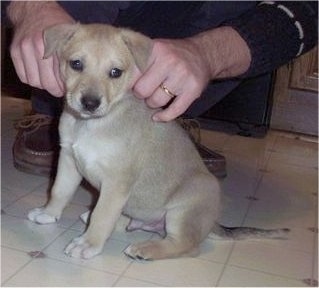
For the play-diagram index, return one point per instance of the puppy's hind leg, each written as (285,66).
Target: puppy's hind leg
(182,239)
(189,220)
(67,180)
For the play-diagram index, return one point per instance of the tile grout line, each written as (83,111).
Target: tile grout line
(21,197)
(314,273)
(234,242)
(18,270)
(266,273)
(225,264)
(54,259)
(258,182)
(32,258)
(271,151)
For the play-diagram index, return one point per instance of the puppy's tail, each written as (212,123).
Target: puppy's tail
(220,232)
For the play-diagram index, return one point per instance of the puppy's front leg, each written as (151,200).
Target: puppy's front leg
(67,180)
(102,222)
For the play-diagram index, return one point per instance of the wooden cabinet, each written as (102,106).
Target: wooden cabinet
(295,98)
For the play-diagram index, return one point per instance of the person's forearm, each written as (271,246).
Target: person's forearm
(30,19)
(19,11)
(276,32)
(225,52)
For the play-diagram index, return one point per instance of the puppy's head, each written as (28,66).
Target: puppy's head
(97,63)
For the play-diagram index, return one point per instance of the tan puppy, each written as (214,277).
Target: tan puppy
(149,171)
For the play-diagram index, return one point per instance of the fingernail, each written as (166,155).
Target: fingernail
(155,118)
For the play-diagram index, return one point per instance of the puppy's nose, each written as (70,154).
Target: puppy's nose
(90,103)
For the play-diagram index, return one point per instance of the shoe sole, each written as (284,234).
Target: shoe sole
(215,163)
(33,169)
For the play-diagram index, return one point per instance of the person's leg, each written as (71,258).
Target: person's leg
(44,103)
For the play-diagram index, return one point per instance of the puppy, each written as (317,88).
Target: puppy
(149,171)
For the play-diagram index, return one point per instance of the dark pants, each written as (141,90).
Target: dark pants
(157,19)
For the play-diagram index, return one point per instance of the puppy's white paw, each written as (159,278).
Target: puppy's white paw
(85,217)
(39,216)
(81,248)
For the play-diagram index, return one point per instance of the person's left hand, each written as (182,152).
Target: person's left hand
(176,73)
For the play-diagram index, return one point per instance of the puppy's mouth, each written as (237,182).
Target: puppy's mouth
(87,106)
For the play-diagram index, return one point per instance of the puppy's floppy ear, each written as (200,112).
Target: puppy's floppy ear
(56,36)
(139,45)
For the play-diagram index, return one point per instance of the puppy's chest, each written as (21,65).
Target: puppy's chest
(85,153)
(92,151)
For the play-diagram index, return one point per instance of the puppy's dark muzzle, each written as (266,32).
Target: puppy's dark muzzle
(90,103)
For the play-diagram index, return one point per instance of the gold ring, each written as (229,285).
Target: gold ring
(166,90)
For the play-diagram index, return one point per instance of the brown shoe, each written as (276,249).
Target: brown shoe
(36,146)
(214,162)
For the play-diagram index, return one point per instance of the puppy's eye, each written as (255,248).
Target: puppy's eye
(76,65)
(115,73)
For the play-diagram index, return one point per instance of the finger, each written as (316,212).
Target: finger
(147,84)
(18,64)
(159,98)
(30,63)
(175,109)
(165,92)
(155,74)
(47,77)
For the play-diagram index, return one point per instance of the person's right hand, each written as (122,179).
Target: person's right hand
(30,18)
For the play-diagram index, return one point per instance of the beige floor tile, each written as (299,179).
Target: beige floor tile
(12,261)
(177,272)
(296,147)
(294,177)
(21,208)
(12,179)
(24,235)
(295,160)
(130,282)
(280,201)
(216,250)
(238,277)
(257,255)
(48,272)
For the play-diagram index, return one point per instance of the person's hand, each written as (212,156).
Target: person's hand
(176,74)
(30,18)
(179,70)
